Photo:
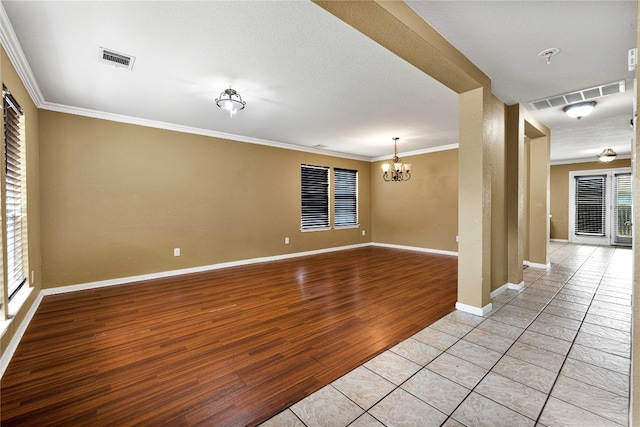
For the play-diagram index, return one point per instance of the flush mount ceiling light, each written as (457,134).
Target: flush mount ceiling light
(580,109)
(396,170)
(231,101)
(608,155)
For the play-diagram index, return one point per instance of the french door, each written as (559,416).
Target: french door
(600,207)
(622,215)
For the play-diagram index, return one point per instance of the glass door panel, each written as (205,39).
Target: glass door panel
(622,215)
(591,206)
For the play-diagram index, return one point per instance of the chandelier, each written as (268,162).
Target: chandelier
(396,170)
(231,101)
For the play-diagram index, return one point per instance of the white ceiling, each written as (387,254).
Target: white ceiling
(503,38)
(309,79)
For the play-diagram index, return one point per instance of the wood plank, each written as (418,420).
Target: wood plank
(228,347)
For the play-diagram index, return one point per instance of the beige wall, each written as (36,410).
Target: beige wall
(13,83)
(527,191)
(516,173)
(474,201)
(560,192)
(117,198)
(497,152)
(538,194)
(421,212)
(527,201)
(533,192)
(482,265)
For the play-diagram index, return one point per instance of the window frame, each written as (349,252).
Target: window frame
(14,203)
(345,189)
(315,200)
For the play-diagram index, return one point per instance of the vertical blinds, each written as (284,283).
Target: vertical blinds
(346,197)
(13,149)
(622,220)
(315,197)
(590,204)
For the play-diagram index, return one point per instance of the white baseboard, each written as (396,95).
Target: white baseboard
(498,291)
(15,340)
(536,265)
(171,273)
(516,287)
(501,289)
(415,248)
(17,337)
(474,310)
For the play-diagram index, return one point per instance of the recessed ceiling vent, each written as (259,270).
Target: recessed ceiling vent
(579,95)
(116,58)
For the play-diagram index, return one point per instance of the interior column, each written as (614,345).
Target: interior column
(539,195)
(474,206)
(516,179)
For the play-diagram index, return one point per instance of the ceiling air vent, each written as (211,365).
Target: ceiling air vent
(579,95)
(116,58)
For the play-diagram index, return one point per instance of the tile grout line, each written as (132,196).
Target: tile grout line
(516,339)
(505,352)
(582,262)
(514,342)
(572,342)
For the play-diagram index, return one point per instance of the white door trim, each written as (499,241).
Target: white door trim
(597,240)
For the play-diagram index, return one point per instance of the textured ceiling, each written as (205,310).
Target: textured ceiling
(503,38)
(310,80)
(307,78)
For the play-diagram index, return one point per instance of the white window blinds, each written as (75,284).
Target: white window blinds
(14,186)
(622,219)
(346,197)
(315,197)
(590,201)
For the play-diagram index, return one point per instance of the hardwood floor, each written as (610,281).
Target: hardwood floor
(229,347)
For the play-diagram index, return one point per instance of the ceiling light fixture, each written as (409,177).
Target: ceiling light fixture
(231,101)
(396,170)
(608,155)
(580,109)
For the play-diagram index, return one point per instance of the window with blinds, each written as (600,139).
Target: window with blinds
(15,213)
(346,197)
(622,219)
(590,205)
(315,197)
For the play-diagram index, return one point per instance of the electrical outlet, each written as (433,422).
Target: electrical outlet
(364,232)
(286,240)
(176,251)
(33,277)
(457,238)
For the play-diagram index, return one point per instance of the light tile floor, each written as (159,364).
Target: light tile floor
(555,353)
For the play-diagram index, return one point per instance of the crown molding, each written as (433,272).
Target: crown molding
(10,42)
(418,152)
(11,45)
(14,51)
(60,108)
